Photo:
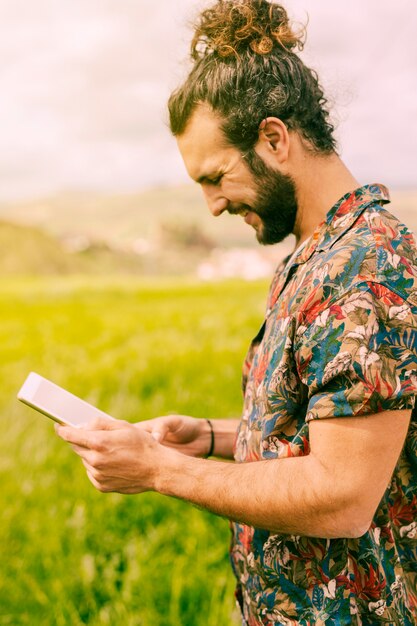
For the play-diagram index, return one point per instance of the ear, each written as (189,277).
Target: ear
(273,140)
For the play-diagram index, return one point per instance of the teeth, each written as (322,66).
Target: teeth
(242,212)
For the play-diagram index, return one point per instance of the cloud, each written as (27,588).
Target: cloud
(84,87)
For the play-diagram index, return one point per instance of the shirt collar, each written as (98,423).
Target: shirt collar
(340,218)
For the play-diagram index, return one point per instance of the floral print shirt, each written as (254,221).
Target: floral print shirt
(339,339)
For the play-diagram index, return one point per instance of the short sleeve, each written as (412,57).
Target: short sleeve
(358,355)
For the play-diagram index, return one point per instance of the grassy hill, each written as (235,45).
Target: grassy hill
(23,248)
(159,231)
(124,218)
(29,250)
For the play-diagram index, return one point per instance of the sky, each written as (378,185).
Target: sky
(84,84)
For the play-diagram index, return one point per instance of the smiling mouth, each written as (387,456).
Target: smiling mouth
(242,212)
(249,216)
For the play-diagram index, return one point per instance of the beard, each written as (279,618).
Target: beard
(276,202)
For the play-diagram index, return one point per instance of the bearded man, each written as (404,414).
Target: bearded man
(322,493)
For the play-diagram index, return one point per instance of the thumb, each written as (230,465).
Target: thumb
(159,431)
(104,423)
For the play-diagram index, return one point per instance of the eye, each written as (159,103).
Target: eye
(216,180)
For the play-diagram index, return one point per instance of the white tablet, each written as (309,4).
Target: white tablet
(57,403)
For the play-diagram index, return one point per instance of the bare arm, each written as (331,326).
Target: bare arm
(332,492)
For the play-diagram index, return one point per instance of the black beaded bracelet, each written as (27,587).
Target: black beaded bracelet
(210,452)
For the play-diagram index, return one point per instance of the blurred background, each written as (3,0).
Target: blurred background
(116,283)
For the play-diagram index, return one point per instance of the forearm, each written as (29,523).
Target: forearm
(286,496)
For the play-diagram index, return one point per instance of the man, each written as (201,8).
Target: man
(322,494)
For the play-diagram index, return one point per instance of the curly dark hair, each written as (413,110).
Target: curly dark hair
(246,69)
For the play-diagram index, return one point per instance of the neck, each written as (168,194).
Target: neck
(323,180)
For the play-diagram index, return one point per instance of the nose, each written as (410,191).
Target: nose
(216,202)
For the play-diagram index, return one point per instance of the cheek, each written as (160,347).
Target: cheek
(240,193)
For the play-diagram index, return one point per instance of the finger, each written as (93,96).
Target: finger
(90,468)
(155,427)
(95,483)
(68,433)
(148,425)
(87,465)
(82,452)
(104,423)
(76,436)
(161,427)
(159,432)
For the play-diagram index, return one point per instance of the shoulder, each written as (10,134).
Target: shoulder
(385,252)
(394,249)
(377,247)
(377,250)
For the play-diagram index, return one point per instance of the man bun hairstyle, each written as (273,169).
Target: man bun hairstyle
(231,27)
(246,68)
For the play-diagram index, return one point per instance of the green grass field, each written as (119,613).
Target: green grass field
(69,554)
